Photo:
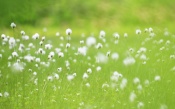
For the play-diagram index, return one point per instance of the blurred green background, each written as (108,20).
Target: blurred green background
(89,14)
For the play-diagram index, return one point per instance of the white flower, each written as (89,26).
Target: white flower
(37,60)
(1,95)
(13,25)
(136,80)
(29,58)
(98,68)
(85,75)
(60,54)
(132,97)
(68,45)
(57,34)
(43,38)
(59,69)
(101,58)
(102,34)
(87,84)
(52,54)
(150,30)
(56,76)
(34,73)
(18,67)
(89,70)
(138,31)
(50,78)
(40,50)
(3,36)
(116,35)
(68,31)
(140,105)
(48,46)
(115,76)
(22,33)
(157,78)
(35,36)
(125,35)
(115,56)
(123,83)
(12,42)
(82,42)
(41,43)
(146,30)
(129,61)
(6,94)
(82,50)
(108,53)
(99,45)
(143,57)
(25,37)
(90,41)
(70,77)
(15,54)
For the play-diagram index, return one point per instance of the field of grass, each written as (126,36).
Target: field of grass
(50,69)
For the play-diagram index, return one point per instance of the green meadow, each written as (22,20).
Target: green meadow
(95,54)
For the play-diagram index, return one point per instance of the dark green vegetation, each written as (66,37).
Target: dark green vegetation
(91,14)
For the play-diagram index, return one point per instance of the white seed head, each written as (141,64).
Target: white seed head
(68,31)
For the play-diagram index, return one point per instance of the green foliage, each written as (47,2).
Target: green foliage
(94,12)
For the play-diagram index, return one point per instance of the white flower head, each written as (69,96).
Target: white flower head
(57,34)
(102,34)
(132,97)
(116,35)
(48,46)
(85,76)
(108,53)
(35,36)
(60,54)
(3,36)
(90,41)
(99,45)
(150,30)
(43,38)
(56,76)
(68,45)
(140,105)
(89,70)
(87,84)
(82,42)
(12,42)
(50,78)
(82,50)
(70,77)
(157,78)
(129,61)
(1,95)
(138,31)
(125,34)
(98,68)
(136,80)
(14,54)
(146,30)
(68,31)
(13,25)
(6,94)
(59,69)
(22,33)
(115,56)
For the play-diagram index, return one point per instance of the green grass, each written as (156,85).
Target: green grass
(63,94)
